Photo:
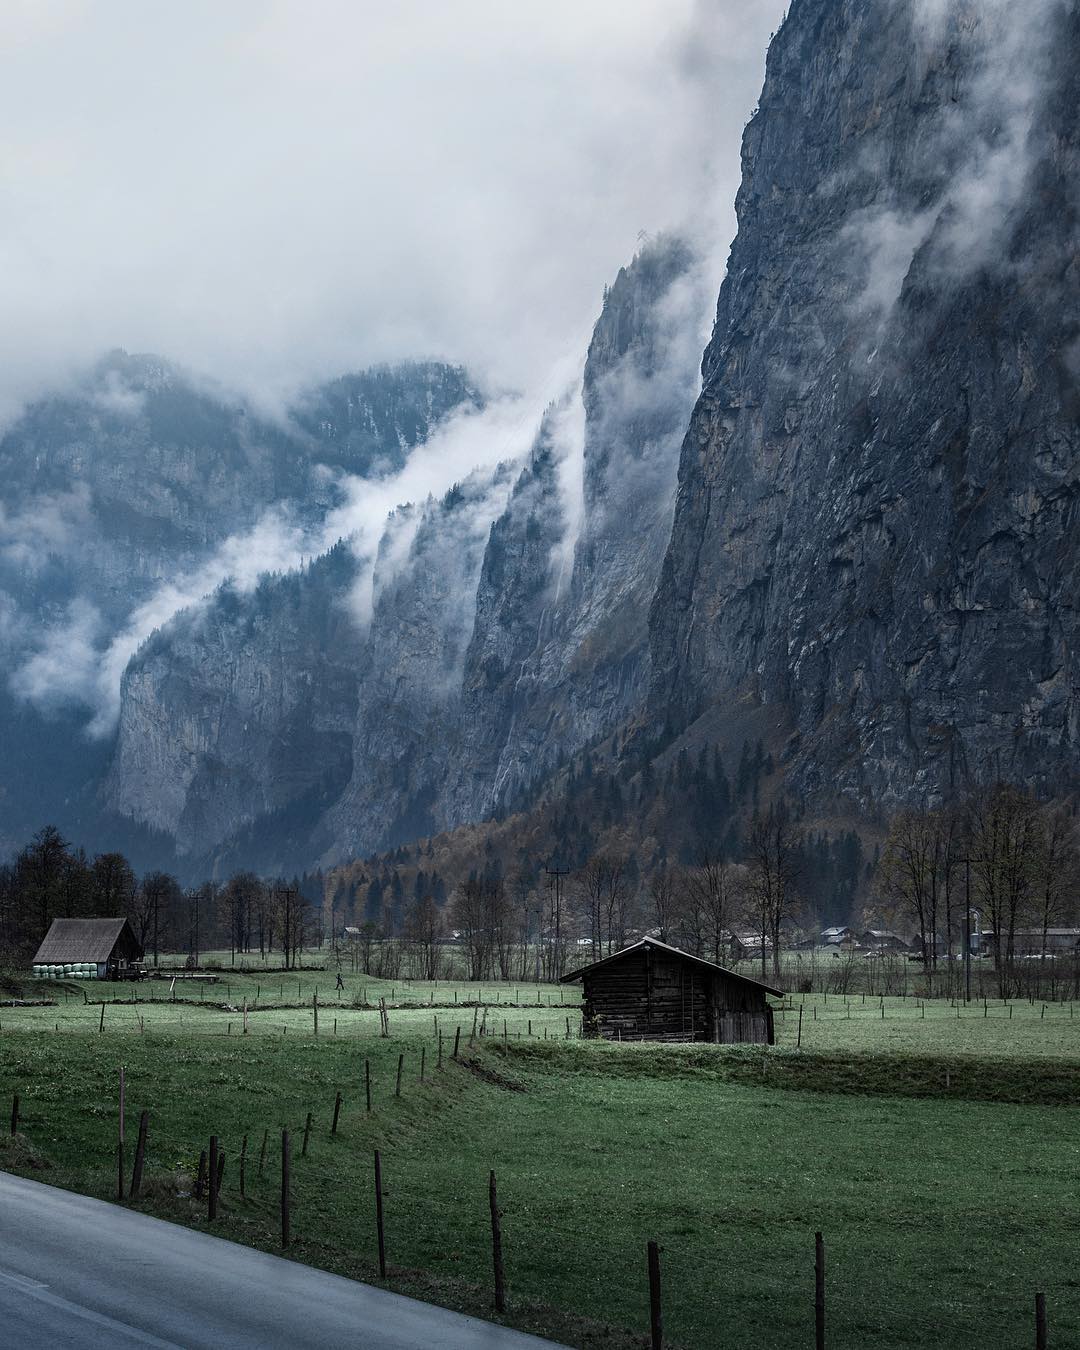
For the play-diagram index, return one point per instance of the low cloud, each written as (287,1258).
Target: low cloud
(982,148)
(50,524)
(65,665)
(277,193)
(351,186)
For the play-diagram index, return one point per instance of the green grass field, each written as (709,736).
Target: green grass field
(937,1155)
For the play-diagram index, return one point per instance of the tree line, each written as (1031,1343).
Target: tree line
(1000,860)
(50,879)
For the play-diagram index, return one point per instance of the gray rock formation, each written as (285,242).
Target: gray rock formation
(507,628)
(876,529)
(407,731)
(242,709)
(560,651)
(134,477)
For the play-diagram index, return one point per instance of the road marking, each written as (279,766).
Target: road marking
(35,1289)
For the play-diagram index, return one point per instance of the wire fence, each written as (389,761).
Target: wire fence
(755,1279)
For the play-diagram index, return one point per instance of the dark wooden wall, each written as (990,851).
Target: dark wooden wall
(656,996)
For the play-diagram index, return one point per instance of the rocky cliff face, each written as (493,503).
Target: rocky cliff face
(507,627)
(140,471)
(868,537)
(136,477)
(242,709)
(559,655)
(876,529)
(407,730)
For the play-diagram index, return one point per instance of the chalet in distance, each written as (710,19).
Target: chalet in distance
(96,949)
(650,991)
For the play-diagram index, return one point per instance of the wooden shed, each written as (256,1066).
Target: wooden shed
(651,991)
(104,949)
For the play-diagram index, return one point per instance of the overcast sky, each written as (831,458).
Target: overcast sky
(275,192)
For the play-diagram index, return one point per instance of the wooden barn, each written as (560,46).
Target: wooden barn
(103,949)
(650,991)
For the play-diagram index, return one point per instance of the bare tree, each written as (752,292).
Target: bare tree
(773,871)
(113,883)
(240,896)
(1057,870)
(424,930)
(471,916)
(1005,846)
(525,900)
(717,892)
(664,901)
(289,916)
(913,874)
(604,896)
(157,901)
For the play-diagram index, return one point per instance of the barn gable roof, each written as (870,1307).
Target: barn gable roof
(81,940)
(674,951)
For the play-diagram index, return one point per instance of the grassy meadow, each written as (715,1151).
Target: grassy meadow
(936,1153)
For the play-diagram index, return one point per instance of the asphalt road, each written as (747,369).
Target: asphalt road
(80,1273)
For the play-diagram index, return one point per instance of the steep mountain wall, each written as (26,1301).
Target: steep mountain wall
(507,628)
(559,654)
(241,709)
(876,528)
(122,491)
(407,729)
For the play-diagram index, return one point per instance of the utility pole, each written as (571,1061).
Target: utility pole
(967,930)
(539,938)
(195,896)
(557,874)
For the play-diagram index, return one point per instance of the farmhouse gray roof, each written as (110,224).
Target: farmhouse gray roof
(77,940)
(674,951)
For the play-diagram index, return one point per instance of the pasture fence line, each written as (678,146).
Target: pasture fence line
(209,1183)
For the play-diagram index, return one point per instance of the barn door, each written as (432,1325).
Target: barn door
(742,1028)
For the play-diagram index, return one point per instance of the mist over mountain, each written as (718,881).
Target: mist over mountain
(876,533)
(136,494)
(839,550)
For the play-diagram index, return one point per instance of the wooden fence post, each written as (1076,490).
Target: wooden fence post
(337,1112)
(379,1215)
(140,1156)
(423,1057)
(120,1134)
(656,1317)
(15,1115)
(819,1292)
(307,1133)
(400,1065)
(211,1203)
(438,1064)
(284,1188)
(457,1039)
(1040,1322)
(798,1039)
(496,1248)
(315,1011)
(101,1023)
